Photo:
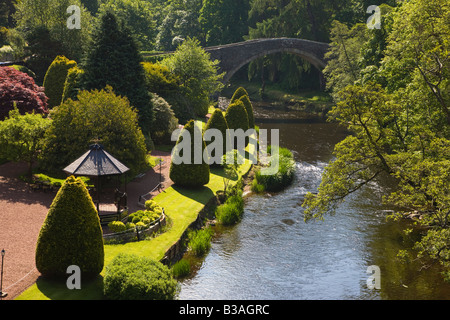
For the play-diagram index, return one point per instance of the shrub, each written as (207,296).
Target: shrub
(249,108)
(18,88)
(72,84)
(130,277)
(231,211)
(200,241)
(95,115)
(189,175)
(71,233)
(165,121)
(159,80)
(181,269)
(281,179)
(239,93)
(117,226)
(55,79)
(236,116)
(217,121)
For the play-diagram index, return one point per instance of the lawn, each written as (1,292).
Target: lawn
(181,205)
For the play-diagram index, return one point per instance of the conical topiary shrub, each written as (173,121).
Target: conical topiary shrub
(217,121)
(236,116)
(71,234)
(189,175)
(240,92)
(55,79)
(249,108)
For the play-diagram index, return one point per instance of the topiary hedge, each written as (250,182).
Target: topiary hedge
(217,121)
(55,78)
(249,108)
(189,175)
(71,234)
(236,116)
(130,277)
(72,84)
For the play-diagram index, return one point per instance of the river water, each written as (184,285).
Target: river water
(272,254)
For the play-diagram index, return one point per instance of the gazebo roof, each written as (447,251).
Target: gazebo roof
(96,162)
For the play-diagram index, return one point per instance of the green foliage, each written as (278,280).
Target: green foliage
(55,79)
(138,16)
(249,108)
(231,211)
(117,226)
(113,59)
(161,81)
(152,213)
(71,234)
(95,115)
(131,277)
(21,137)
(217,121)
(281,179)
(197,74)
(189,175)
(239,93)
(72,84)
(181,269)
(165,121)
(200,241)
(236,116)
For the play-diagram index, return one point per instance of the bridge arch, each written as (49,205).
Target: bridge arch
(234,56)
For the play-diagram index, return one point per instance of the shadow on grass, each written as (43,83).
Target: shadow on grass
(91,289)
(201,195)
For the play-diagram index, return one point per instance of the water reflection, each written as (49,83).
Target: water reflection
(274,254)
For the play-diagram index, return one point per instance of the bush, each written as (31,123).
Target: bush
(18,88)
(200,241)
(231,211)
(159,80)
(95,115)
(280,180)
(71,234)
(239,93)
(249,108)
(55,79)
(72,84)
(152,213)
(217,121)
(181,269)
(117,226)
(130,277)
(236,116)
(189,175)
(165,121)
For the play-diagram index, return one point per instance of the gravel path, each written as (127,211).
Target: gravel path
(22,213)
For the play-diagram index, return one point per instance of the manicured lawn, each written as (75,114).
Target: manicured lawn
(181,205)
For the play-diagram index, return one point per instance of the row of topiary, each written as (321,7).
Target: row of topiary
(239,115)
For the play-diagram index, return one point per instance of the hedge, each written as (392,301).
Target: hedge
(217,121)
(72,84)
(239,93)
(189,175)
(236,116)
(71,234)
(131,277)
(55,79)
(249,108)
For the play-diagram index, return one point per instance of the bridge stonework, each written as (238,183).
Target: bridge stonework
(234,56)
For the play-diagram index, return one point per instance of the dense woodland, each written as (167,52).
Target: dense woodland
(390,85)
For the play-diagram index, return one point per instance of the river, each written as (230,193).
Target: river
(272,254)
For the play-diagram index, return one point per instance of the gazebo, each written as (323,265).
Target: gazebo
(97,163)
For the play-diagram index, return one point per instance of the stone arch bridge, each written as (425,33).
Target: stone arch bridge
(234,56)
